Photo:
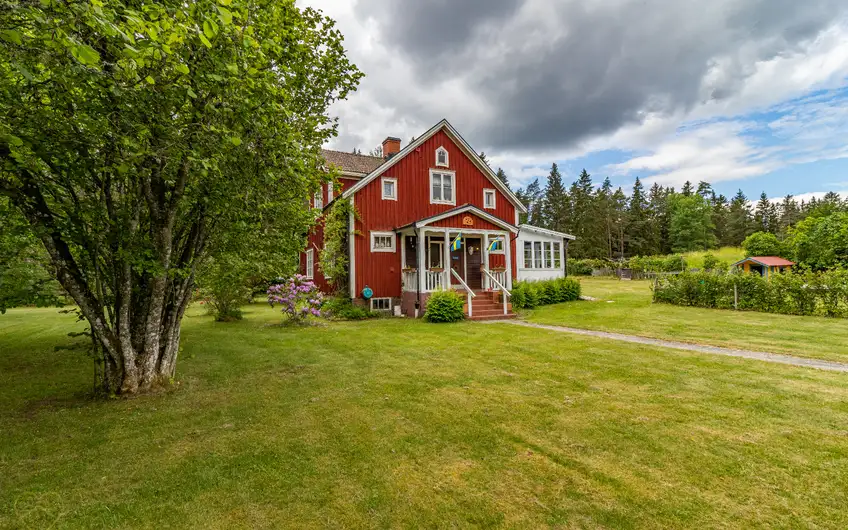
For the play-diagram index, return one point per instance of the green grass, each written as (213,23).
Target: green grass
(626,307)
(396,423)
(729,255)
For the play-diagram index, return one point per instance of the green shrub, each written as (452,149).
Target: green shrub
(711,262)
(445,306)
(527,294)
(793,293)
(763,244)
(342,308)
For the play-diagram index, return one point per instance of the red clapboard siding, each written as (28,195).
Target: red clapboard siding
(381,271)
(456,222)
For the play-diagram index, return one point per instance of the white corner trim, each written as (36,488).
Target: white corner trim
(452,174)
(383,188)
(351,243)
(391,235)
(441,149)
(494,194)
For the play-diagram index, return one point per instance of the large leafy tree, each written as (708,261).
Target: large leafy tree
(691,226)
(821,241)
(137,134)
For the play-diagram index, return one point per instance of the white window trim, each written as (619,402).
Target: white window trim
(502,239)
(441,149)
(542,254)
(494,193)
(453,186)
(383,188)
(381,298)
(329,192)
(391,235)
(318,199)
(310,264)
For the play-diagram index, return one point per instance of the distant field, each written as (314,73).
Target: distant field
(728,254)
(625,306)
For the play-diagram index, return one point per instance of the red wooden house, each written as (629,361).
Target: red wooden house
(414,203)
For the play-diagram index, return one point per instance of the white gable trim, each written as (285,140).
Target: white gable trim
(545,231)
(463,145)
(464,209)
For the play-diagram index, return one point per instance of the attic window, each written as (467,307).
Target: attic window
(441,157)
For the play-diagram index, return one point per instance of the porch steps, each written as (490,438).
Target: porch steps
(487,306)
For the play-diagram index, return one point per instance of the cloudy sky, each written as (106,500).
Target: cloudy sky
(749,94)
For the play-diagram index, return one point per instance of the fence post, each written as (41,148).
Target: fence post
(735,297)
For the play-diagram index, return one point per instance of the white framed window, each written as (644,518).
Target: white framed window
(329,192)
(442,159)
(489,197)
(528,254)
(496,245)
(310,264)
(381,304)
(436,250)
(389,189)
(537,254)
(442,187)
(557,256)
(318,199)
(383,242)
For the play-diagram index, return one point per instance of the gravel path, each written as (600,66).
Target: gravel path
(747,354)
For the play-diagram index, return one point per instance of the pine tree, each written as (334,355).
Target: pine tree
(691,225)
(619,219)
(721,218)
(502,175)
(763,215)
(640,233)
(687,189)
(585,221)
(603,202)
(790,214)
(739,224)
(705,190)
(555,202)
(483,158)
(658,207)
(531,197)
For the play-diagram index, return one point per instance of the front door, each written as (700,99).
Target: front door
(474,260)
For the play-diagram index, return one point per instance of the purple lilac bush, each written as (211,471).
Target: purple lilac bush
(298,297)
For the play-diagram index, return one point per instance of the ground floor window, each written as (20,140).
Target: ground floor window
(542,255)
(381,304)
(435,259)
(310,264)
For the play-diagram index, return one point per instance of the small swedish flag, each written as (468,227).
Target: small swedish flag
(457,243)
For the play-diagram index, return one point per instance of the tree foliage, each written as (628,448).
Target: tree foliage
(763,244)
(138,135)
(821,242)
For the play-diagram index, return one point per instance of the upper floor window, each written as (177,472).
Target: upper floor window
(383,241)
(389,189)
(318,199)
(489,197)
(442,157)
(442,188)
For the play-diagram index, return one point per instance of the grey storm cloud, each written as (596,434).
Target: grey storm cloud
(553,73)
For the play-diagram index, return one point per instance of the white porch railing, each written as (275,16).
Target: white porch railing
(410,281)
(434,280)
(468,292)
(493,277)
(499,277)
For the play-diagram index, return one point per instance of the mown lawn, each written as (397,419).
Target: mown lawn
(396,423)
(626,307)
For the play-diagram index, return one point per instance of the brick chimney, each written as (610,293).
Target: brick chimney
(391,147)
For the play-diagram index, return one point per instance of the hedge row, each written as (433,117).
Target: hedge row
(670,263)
(527,295)
(795,293)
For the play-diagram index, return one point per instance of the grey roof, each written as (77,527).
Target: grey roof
(363,164)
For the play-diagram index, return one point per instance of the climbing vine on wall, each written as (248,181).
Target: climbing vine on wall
(334,259)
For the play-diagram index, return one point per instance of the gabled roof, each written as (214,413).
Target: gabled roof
(463,145)
(767,261)
(465,208)
(351,163)
(545,231)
